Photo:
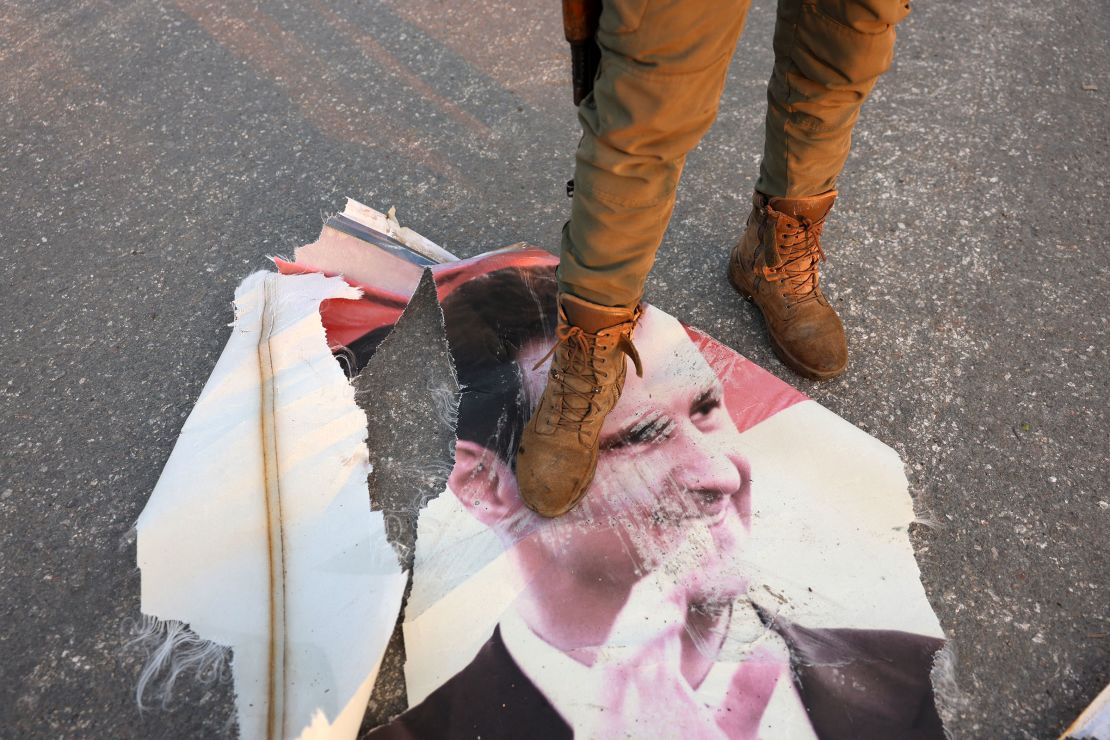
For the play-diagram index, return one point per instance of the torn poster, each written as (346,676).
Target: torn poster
(1094,722)
(259,534)
(713,583)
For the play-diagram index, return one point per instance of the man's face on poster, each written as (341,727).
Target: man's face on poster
(672,489)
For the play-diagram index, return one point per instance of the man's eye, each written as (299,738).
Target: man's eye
(707,406)
(650,432)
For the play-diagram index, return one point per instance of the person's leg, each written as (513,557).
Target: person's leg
(828,55)
(663,66)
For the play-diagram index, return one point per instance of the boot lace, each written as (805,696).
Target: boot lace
(578,382)
(799,254)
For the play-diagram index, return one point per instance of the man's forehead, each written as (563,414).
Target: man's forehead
(670,356)
(670,359)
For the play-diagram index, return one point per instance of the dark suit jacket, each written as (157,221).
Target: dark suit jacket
(854,684)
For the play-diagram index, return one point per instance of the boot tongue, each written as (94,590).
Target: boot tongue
(590,317)
(814,208)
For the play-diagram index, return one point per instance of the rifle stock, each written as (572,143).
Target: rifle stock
(580,26)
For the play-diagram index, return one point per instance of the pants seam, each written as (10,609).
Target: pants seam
(637,69)
(616,200)
(840,25)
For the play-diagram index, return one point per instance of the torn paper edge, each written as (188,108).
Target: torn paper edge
(270,655)
(388,224)
(1094,722)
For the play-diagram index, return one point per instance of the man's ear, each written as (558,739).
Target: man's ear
(484,483)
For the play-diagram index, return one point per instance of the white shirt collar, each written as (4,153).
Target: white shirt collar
(559,677)
(565,683)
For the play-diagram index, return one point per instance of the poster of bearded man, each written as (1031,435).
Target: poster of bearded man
(709,585)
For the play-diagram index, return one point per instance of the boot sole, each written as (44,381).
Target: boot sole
(780,352)
(554,514)
(574,500)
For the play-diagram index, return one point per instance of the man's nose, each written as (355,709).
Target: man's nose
(709,465)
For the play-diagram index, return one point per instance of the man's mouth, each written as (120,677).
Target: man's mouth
(703,508)
(712,508)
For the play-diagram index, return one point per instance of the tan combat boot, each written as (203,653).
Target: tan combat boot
(775,265)
(557,455)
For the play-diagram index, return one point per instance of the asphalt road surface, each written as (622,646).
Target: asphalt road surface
(154,153)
